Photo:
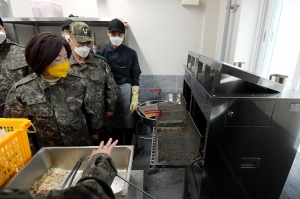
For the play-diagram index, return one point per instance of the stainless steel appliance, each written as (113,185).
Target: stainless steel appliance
(65,158)
(249,127)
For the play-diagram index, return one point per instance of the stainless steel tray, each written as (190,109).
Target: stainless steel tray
(175,146)
(65,158)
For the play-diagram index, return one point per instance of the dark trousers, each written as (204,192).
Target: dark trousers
(104,136)
(124,136)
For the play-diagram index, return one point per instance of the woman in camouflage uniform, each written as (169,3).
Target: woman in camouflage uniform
(59,105)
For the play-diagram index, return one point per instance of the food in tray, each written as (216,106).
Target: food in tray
(50,180)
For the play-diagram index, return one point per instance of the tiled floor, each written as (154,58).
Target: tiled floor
(166,183)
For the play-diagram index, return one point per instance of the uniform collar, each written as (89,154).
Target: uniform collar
(90,60)
(43,84)
(119,49)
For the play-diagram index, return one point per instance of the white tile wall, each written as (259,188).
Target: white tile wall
(213,6)
(161,32)
(247,32)
(213,34)
(21,8)
(79,7)
(209,45)
(219,39)
(166,37)
(211,21)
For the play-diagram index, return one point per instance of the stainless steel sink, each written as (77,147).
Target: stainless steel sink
(65,158)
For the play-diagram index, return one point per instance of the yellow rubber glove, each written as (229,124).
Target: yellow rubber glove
(135,98)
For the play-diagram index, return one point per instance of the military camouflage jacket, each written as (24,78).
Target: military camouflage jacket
(97,73)
(13,67)
(61,112)
(94,183)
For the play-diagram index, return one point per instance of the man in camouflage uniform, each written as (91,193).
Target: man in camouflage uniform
(94,183)
(93,69)
(13,66)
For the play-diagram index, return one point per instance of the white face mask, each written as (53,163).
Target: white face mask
(67,37)
(2,37)
(82,51)
(117,41)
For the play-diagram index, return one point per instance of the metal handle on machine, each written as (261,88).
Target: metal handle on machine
(230,113)
(158,90)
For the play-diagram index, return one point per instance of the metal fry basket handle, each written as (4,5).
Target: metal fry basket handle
(34,129)
(158,90)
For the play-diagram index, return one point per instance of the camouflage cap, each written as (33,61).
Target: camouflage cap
(81,31)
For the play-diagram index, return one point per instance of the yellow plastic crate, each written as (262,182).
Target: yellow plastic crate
(14,148)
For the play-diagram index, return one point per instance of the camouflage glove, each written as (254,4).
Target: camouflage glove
(135,98)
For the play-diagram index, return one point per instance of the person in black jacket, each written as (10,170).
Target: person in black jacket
(124,64)
(65,28)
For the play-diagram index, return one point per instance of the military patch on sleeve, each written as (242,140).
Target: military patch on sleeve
(36,101)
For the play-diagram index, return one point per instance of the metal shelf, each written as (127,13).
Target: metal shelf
(56,21)
(37,22)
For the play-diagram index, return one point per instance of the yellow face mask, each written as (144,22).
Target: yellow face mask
(60,70)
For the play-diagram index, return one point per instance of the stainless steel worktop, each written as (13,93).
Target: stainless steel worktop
(208,70)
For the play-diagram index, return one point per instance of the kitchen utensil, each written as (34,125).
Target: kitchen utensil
(59,157)
(72,174)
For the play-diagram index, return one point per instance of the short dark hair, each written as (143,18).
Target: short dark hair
(1,22)
(42,49)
